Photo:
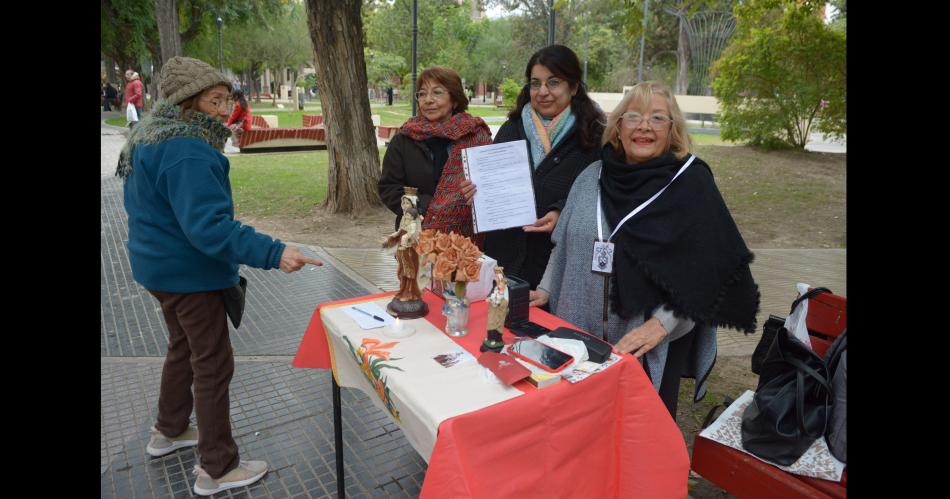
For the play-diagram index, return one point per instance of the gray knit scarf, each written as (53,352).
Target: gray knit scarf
(164,122)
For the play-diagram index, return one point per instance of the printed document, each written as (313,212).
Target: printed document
(504,195)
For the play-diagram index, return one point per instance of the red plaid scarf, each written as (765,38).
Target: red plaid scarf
(447,211)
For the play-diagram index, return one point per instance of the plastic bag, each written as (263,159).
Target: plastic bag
(795,322)
(130,113)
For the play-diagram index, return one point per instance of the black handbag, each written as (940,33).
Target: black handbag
(791,405)
(837,360)
(234,301)
(769,329)
(772,326)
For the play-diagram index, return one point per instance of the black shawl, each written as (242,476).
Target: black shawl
(683,250)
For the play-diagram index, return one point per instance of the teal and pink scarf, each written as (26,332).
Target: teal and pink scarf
(543,137)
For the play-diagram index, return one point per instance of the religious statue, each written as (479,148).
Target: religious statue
(407,304)
(497,312)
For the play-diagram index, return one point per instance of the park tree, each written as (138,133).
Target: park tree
(133,32)
(383,69)
(493,58)
(122,28)
(667,32)
(783,75)
(166,16)
(336,31)
(389,28)
(285,43)
(531,21)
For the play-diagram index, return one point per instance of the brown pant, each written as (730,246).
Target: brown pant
(199,352)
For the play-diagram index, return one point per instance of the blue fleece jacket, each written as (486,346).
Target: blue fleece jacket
(182,234)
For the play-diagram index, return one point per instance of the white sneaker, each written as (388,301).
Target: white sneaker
(159,445)
(246,473)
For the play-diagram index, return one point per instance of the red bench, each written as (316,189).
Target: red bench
(743,475)
(262,138)
(312,120)
(387,132)
(258,122)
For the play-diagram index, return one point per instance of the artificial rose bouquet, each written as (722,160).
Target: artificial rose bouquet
(454,258)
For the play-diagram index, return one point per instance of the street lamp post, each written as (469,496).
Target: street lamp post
(415,34)
(643,32)
(220,51)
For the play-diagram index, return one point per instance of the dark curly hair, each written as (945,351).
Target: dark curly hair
(563,63)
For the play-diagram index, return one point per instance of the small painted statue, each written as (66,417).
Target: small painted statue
(497,312)
(407,304)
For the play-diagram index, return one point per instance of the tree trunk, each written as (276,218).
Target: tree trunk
(682,60)
(255,74)
(111,75)
(155,79)
(166,16)
(336,30)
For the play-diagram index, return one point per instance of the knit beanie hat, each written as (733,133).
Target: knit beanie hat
(184,77)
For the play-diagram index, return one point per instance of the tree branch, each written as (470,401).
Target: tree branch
(194,27)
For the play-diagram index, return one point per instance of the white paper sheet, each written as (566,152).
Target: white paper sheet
(504,195)
(365,321)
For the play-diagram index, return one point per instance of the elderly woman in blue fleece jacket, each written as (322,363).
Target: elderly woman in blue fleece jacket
(184,248)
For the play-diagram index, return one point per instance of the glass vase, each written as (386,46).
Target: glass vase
(455,310)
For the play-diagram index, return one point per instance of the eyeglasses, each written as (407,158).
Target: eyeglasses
(437,93)
(553,84)
(219,103)
(633,120)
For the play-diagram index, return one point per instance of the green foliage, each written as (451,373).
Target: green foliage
(122,31)
(493,58)
(510,89)
(382,68)
(783,75)
(307,82)
(839,22)
(389,28)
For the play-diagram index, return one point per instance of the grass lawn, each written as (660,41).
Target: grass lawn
(703,139)
(782,199)
(280,184)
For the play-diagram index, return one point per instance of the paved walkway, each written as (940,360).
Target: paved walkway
(280,414)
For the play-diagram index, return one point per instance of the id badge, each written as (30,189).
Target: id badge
(603,261)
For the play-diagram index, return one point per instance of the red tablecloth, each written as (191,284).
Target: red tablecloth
(607,436)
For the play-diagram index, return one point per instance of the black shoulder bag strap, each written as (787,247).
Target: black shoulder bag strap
(812,292)
(802,370)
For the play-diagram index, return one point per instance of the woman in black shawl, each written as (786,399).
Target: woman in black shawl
(680,268)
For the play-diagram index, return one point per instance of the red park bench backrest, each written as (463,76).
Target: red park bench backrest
(312,120)
(827,319)
(258,122)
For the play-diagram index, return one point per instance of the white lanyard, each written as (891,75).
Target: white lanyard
(600,233)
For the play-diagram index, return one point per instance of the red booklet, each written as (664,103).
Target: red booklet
(508,370)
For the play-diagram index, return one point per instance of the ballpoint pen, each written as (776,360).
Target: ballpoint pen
(380,319)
